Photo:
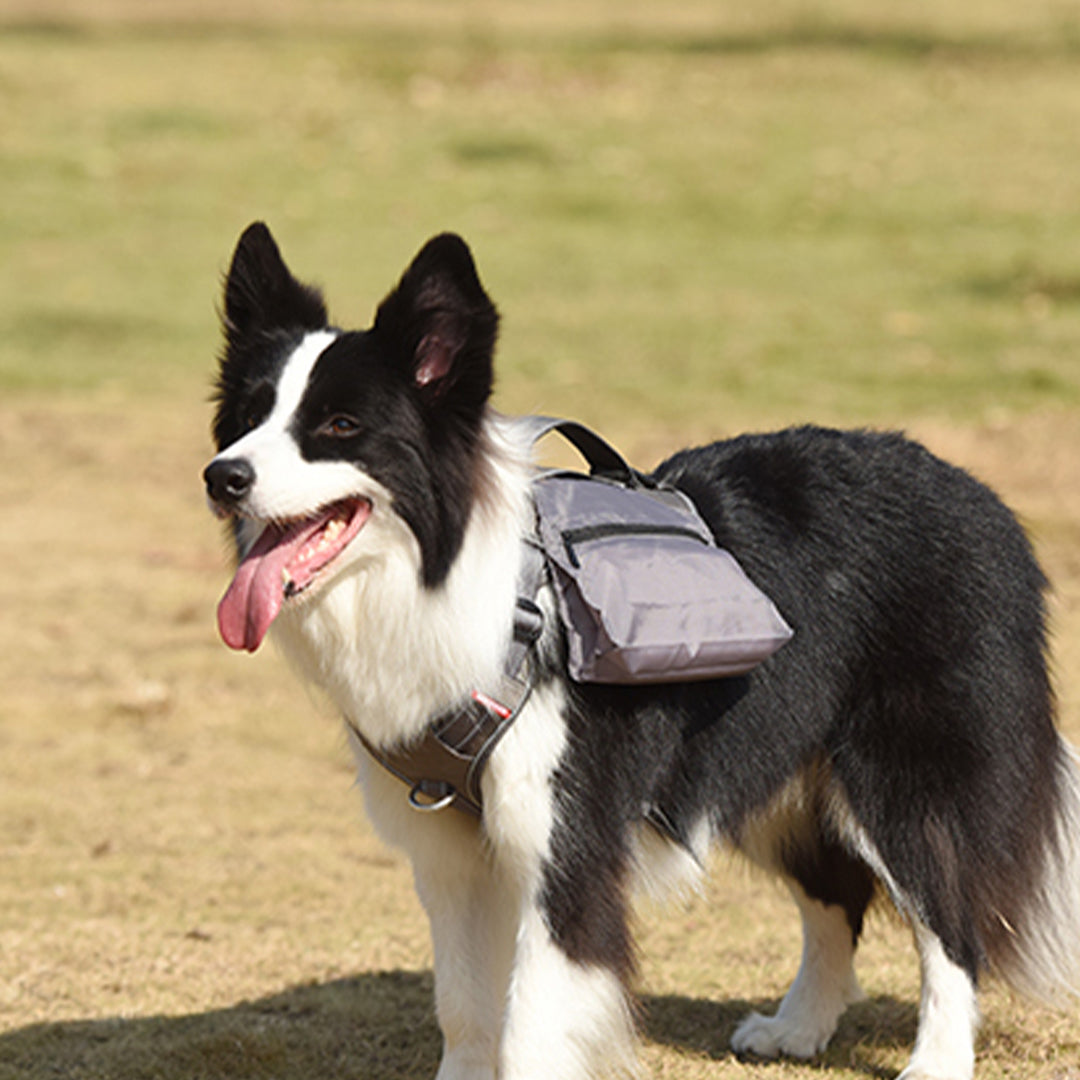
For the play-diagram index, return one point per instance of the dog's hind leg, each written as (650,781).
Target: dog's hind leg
(823,988)
(832,888)
(948,1009)
(948,1016)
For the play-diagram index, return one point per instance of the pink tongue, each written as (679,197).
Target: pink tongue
(257,592)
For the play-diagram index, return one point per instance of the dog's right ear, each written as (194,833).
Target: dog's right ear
(261,295)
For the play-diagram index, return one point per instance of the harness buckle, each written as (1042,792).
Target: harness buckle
(431,796)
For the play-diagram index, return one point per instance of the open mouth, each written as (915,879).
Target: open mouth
(284,561)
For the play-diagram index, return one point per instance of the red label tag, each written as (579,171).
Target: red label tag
(491,704)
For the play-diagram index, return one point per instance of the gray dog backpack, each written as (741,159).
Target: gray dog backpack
(643,595)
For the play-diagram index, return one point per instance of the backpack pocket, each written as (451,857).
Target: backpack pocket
(643,592)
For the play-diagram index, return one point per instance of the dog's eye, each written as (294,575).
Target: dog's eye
(341,426)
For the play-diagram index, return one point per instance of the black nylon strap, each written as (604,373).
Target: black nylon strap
(602,457)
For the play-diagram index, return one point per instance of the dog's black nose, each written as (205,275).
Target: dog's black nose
(228,480)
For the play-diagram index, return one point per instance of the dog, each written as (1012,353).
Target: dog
(902,745)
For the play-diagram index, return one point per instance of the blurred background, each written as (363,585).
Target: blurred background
(696,219)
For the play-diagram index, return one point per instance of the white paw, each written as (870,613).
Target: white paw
(771,1036)
(916,1072)
(465,1065)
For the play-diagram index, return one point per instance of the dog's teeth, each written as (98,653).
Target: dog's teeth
(288,585)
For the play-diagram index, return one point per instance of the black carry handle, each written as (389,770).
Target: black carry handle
(603,458)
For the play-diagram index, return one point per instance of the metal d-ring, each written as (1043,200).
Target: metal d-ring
(438,803)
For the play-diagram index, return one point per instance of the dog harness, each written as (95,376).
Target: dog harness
(444,766)
(642,593)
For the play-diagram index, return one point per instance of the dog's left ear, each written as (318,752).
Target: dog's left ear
(442,326)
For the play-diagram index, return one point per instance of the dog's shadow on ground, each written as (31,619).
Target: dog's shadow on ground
(371,1027)
(703,1027)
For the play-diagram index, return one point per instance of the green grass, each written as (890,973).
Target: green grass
(793,216)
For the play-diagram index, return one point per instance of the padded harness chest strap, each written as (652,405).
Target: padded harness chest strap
(445,765)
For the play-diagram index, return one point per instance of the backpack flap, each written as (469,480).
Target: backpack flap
(643,592)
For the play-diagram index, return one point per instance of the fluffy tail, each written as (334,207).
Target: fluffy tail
(1040,957)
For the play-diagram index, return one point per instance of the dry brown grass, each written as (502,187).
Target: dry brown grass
(188,887)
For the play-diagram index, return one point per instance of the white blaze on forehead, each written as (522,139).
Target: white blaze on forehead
(286,486)
(294,376)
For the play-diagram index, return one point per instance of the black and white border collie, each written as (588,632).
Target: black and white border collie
(903,744)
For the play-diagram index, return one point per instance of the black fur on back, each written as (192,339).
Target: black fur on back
(916,686)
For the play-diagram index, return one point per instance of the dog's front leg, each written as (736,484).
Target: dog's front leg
(471,908)
(567,1016)
(565,1020)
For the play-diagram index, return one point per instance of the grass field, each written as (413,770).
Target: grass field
(694,222)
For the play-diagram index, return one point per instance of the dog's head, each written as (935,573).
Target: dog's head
(322,434)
